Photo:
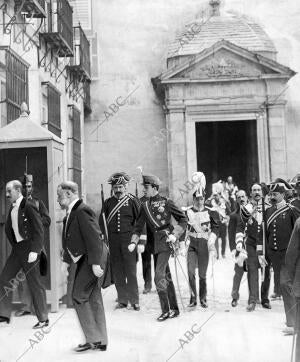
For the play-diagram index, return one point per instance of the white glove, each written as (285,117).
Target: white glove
(239,246)
(131,247)
(32,257)
(64,268)
(140,248)
(171,238)
(233,254)
(97,270)
(262,261)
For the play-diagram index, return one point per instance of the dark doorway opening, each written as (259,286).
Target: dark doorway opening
(12,167)
(228,149)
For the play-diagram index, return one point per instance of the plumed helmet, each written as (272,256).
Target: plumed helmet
(199,181)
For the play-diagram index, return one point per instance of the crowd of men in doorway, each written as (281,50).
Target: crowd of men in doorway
(263,230)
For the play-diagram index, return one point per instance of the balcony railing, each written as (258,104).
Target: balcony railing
(87,98)
(81,60)
(59,29)
(34,8)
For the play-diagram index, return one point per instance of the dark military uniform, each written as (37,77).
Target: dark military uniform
(157,213)
(250,229)
(281,219)
(146,256)
(202,223)
(121,215)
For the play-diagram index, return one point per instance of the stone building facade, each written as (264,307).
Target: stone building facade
(208,89)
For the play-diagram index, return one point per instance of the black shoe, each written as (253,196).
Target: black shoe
(234,303)
(192,304)
(97,346)
(121,306)
(21,313)
(266,305)
(163,317)
(146,290)
(251,307)
(203,303)
(136,306)
(173,313)
(4,319)
(41,324)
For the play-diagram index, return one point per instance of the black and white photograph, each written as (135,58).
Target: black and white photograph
(149,180)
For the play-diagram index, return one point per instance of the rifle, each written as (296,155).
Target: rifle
(136,190)
(104,217)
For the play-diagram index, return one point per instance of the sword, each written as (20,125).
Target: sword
(104,217)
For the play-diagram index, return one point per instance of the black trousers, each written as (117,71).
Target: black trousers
(253,269)
(163,281)
(124,268)
(146,262)
(277,258)
(88,303)
(197,258)
(222,235)
(11,277)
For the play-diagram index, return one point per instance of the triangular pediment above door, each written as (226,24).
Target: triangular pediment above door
(225,60)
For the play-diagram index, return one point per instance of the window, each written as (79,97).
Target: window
(76,146)
(51,108)
(14,90)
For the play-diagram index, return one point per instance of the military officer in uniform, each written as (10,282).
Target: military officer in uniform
(23,288)
(250,231)
(157,213)
(121,211)
(202,231)
(281,218)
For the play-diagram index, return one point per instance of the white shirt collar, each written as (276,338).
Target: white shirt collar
(18,201)
(70,207)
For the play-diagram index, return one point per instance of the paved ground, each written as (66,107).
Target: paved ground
(221,333)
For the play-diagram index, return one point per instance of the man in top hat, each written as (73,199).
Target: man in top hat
(157,213)
(24,292)
(202,231)
(281,218)
(121,211)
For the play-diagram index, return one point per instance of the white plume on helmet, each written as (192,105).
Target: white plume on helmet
(199,181)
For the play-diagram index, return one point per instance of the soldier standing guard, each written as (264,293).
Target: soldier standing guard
(281,218)
(157,213)
(121,211)
(203,231)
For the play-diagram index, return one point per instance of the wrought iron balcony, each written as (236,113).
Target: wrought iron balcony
(81,62)
(33,8)
(59,29)
(87,98)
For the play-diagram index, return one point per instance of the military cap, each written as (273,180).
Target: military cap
(119,178)
(151,180)
(279,185)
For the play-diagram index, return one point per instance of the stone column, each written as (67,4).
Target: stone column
(177,161)
(277,141)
